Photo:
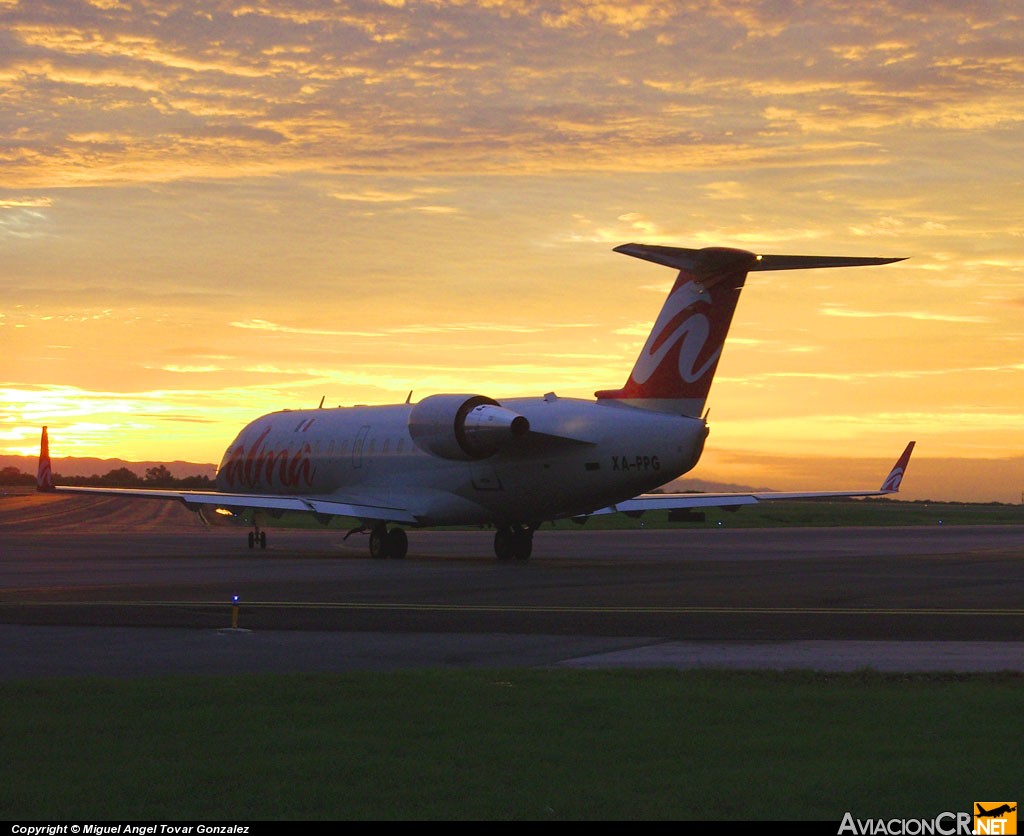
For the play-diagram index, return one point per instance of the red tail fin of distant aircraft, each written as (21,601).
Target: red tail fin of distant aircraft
(677,364)
(44,476)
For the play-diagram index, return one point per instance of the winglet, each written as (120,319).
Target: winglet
(892,481)
(44,476)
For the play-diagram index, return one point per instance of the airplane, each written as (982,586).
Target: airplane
(995,812)
(468,459)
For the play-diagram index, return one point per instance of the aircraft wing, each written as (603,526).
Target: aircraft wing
(333,505)
(266,502)
(655,502)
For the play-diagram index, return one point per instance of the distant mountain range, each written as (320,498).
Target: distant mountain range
(704,486)
(98,467)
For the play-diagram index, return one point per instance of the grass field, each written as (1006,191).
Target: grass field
(510,745)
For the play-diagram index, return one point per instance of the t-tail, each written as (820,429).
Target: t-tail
(677,364)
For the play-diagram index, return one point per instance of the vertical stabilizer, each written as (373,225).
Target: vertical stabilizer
(677,364)
(44,476)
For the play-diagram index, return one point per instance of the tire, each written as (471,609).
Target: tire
(397,543)
(523,545)
(379,543)
(504,543)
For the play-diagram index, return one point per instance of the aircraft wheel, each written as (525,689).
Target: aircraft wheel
(263,539)
(397,543)
(504,543)
(252,540)
(379,543)
(513,543)
(523,544)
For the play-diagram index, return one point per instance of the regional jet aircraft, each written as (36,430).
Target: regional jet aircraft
(468,459)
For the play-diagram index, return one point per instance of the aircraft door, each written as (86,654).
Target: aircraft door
(357,446)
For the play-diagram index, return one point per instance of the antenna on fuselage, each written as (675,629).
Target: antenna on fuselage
(408,398)
(322,402)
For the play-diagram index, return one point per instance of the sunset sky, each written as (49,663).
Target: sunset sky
(212,210)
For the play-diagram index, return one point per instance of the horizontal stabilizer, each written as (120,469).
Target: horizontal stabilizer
(808,262)
(711,260)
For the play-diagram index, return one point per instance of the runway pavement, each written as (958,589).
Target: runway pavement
(78,599)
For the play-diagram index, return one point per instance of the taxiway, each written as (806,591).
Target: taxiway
(81,597)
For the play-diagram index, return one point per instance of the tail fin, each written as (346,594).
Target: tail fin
(44,476)
(677,364)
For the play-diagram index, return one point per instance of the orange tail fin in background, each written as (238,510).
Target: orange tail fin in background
(44,476)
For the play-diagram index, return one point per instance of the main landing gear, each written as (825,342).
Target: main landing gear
(511,542)
(514,542)
(384,543)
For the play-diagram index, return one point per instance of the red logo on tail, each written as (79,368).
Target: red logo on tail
(681,354)
(690,335)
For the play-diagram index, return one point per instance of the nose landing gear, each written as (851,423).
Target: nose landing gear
(257,537)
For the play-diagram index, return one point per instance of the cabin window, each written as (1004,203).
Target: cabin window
(387,443)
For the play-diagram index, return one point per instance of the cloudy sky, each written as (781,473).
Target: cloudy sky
(211,210)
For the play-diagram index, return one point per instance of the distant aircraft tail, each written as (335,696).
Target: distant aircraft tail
(44,476)
(677,364)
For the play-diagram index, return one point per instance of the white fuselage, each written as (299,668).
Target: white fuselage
(578,456)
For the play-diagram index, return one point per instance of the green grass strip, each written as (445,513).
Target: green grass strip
(510,745)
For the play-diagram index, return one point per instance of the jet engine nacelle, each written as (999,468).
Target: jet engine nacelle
(464,427)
